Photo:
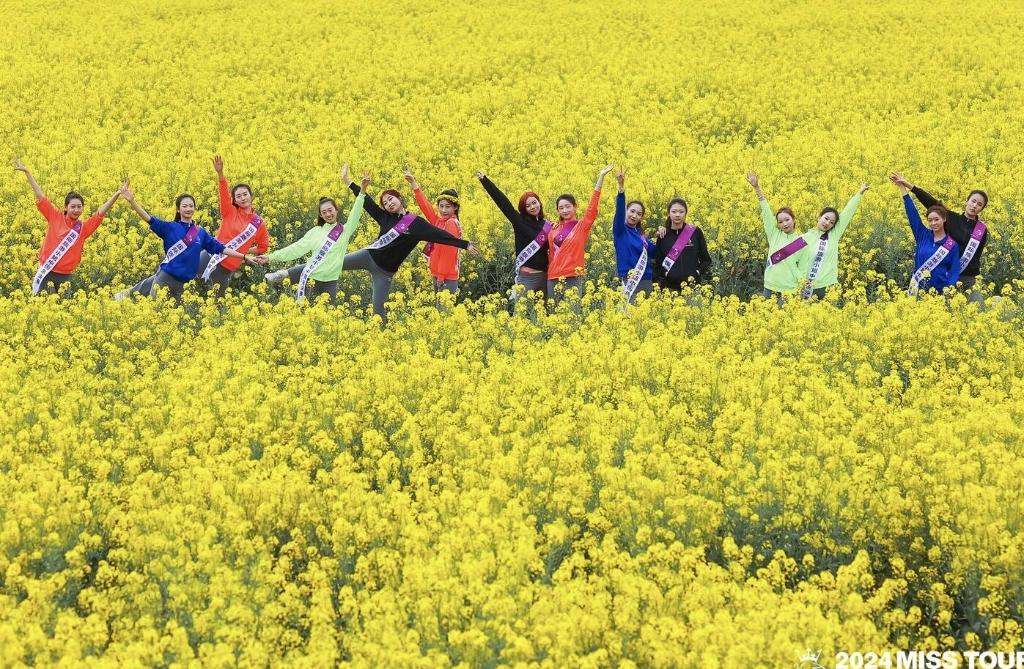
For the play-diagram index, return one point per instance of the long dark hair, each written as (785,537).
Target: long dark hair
(640,225)
(177,204)
(72,196)
(826,210)
(320,219)
(522,204)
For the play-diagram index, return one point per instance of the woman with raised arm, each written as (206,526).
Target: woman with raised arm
(682,255)
(61,252)
(634,252)
(783,272)
(937,255)
(400,232)
(328,244)
(569,238)
(240,229)
(823,247)
(532,233)
(183,240)
(967,229)
(444,260)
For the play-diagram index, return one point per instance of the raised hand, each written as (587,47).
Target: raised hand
(344,174)
(864,188)
(407,173)
(126,192)
(364,181)
(20,166)
(218,164)
(752,179)
(621,176)
(901,181)
(480,175)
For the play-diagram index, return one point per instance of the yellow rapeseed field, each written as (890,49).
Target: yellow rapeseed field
(699,481)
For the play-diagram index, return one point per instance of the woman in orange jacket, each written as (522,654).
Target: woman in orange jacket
(444,260)
(569,242)
(241,228)
(61,251)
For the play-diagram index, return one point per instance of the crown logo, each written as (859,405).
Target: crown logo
(809,660)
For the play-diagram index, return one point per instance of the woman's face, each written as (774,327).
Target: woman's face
(566,210)
(533,206)
(328,212)
(936,222)
(826,221)
(677,214)
(634,215)
(243,198)
(975,203)
(187,209)
(392,204)
(445,208)
(786,222)
(75,209)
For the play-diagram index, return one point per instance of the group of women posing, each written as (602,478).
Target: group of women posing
(550,256)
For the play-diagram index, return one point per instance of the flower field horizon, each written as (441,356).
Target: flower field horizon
(703,480)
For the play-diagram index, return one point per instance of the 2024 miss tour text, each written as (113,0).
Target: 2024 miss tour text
(920,659)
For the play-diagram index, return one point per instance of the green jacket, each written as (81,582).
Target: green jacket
(330,268)
(786,277)
(828,274)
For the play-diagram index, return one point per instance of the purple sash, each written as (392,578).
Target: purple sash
(786,251)
(677,248)
(182,244)
(930,264)
(394,233)
(977,234)
(564,233)
(530,249)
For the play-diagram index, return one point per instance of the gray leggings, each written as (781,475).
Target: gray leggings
(163,280)
(318,288)
(219,277)
(645,286)
(380,280)
(528,282)
(450,285)
(53,281)
(558,289)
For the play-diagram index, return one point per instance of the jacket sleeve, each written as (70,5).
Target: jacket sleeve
(619,220)
(211,244)
(660,251)
(591,214)
(224,197)
(914,218)
(91,224)
(352,223)
(301,247)
(426,207)
(504,205)
(923,197)
(768,220)
(369,206)
(847,214)
(429,233)
(262,240)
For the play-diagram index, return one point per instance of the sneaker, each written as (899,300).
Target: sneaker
(120,295)
(276,277)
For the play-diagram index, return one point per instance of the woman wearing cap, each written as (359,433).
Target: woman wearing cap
(400,232)
(444,260)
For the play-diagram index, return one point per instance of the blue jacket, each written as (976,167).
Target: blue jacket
(186,265)
(947,273)
(629,243)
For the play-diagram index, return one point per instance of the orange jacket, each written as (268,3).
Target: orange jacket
(568,260)
(58,225)
(232,221)
(444,260)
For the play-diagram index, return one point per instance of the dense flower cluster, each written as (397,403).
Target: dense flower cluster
(695,482)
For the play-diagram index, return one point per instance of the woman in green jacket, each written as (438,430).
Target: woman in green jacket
(783,272)
(821,261)
(327,244)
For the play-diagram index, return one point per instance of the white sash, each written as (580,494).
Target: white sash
(636,274)
(318,258)
(182,244)
(977,234)
(819,256)
(531,249)
(394,233)
(234,244)
(55,257)
(930,264)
